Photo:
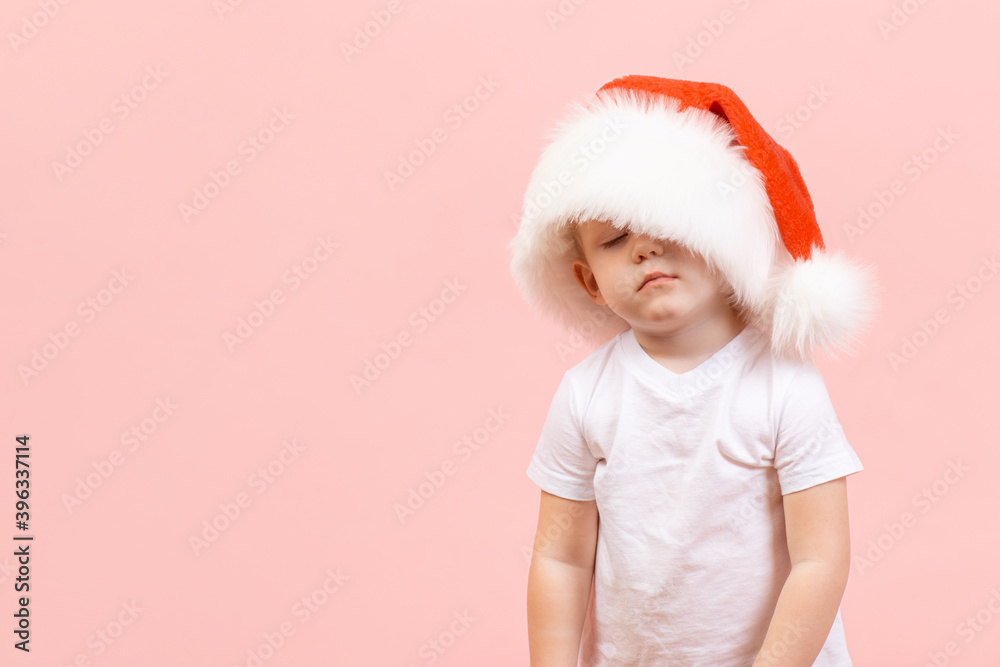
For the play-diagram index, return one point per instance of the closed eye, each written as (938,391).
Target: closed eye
(614,241)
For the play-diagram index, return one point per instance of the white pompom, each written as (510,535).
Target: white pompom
(827,300)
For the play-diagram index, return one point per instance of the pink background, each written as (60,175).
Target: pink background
(330,506)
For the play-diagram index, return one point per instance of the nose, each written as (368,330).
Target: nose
(645,247)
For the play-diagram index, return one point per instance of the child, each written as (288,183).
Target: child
(693,470)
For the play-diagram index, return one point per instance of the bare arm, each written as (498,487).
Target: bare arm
(816,527)
(559,579)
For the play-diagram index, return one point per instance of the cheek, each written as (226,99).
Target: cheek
(701,277)
(617,285)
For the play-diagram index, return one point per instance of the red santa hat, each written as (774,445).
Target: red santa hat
(685,161)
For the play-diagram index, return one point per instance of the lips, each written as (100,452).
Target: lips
(654,276)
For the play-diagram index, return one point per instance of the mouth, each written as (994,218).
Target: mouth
(657,278)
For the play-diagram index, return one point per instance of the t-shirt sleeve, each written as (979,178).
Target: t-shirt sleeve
(562,463)
(810,445)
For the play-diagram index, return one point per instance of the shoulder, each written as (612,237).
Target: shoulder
(799,379)
(783,388)
(781,374)
(599,369)
(801,399)
(593,365)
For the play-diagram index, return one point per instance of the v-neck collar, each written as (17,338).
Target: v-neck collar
(707,373)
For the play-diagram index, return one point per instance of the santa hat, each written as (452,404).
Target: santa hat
(685,161)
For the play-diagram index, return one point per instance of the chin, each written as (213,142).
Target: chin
(662,314)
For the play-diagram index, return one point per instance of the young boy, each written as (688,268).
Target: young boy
(692,468)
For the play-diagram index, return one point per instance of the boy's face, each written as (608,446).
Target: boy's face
(614,271)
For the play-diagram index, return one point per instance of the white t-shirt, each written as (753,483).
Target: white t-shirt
(688,471)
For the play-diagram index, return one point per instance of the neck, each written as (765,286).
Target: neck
(693,342)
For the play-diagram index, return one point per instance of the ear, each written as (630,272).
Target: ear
(587,281)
